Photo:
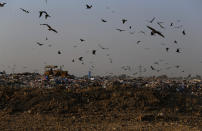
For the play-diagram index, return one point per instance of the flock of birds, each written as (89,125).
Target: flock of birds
(153,32)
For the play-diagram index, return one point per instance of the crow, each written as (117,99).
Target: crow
(175,42)
(151,21)
(154,31)
(103,20)
(103,48)
(120,30)
(124,21)
(2,4)
(39,44)
(88,6)
(59,52)
(80,58)
(178,50)
(26,11)
(152,67)
(183,32)
(94,52)
(142,32)
(138,42)
(171,24)
(50,28)
(44,12)
(160,24)
(82,40)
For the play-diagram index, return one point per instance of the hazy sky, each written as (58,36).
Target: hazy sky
(19,33)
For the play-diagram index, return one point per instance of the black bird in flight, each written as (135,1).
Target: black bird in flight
(183,32)
(103,20)
(94,52)
(59,52)
(88,6)
(82,40)
(130,27)
(142,32)
(81,58)
(171,24)
(138,42)
(152,20)
(44,12)
(152,67)
(39,44)
(120,30)
(50,28)
(103,48)
(73,60)
(124,21)
(167,49)
(178,50)
(26,11)
(2,4)
(160,24)
(175,42)
(154,31)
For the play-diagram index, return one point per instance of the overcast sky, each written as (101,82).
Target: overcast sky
(19,33)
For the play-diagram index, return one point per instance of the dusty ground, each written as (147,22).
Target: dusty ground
(117,108)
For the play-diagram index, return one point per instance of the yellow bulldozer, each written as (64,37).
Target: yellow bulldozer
(52,70)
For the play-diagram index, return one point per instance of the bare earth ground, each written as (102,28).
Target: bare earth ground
(96,108)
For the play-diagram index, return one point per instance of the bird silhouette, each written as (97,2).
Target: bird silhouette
(50,28)
(152,67)
(142,32)
(167,49)
(175,42)
(82,40)
(178,50)
(124,21)
(39,44)
(94,52)
(103,20)
(88,6)
(59,52)
(183,32)
(2,4)
(120,30)
(171,24)
(44,12)
(26,11)
(138,42)
(80,58)
(152,20)
(154,31)
(160,24)
(103,48)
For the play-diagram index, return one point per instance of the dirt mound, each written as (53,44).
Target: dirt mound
(98,100)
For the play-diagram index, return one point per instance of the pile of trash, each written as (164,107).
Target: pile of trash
(97,100)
